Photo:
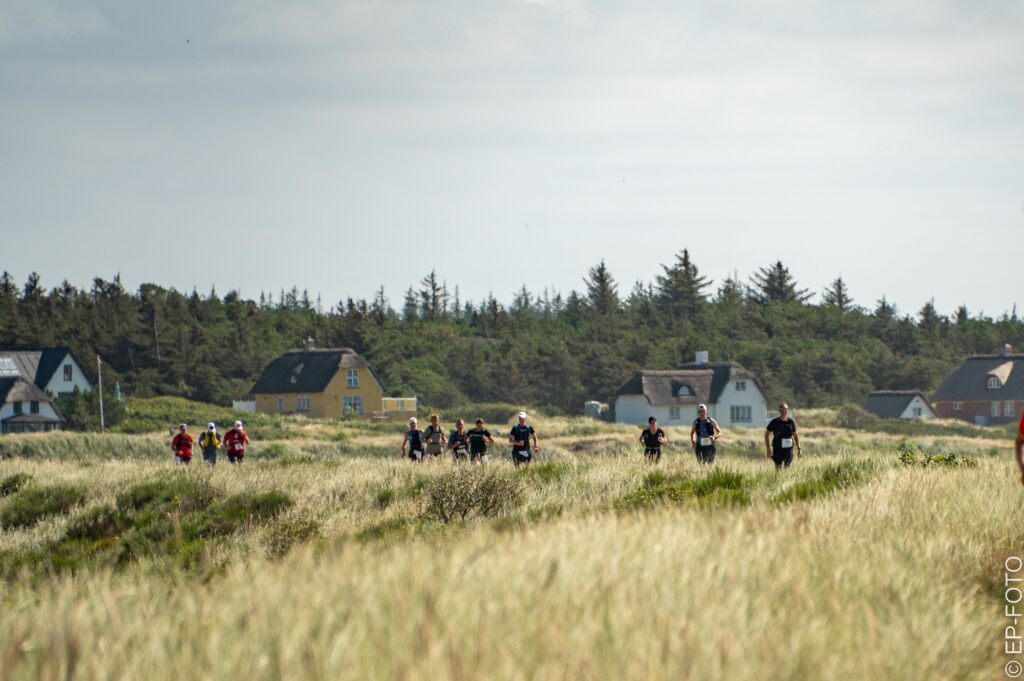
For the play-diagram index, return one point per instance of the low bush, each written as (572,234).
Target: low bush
(717,487)
(924,460)
(31,504)
(289,531)
(548,471)
(12,483)
(235,511)
(464,492)
(834,476)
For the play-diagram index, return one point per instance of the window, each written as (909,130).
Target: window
(957,406)
(17,407)
(280,404)
(1008,409)
(33,407)
(68,372)
(994,383)
(917,411)
(353,379)
(741,385)
(684,391)
(673,413)
(400,405)
(995,409)
(741,414)
(353,405)
(303,404)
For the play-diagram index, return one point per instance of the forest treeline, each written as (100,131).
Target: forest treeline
(541,348)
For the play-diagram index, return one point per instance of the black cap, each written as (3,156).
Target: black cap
(651,420)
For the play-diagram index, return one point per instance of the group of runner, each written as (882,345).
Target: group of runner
(234,441)
(466,445)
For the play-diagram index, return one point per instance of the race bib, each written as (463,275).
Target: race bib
(416,454)
(461,451)
(786,443)
(705,442)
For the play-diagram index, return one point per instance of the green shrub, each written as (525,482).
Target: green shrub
(464,492)
(717,487)
(386,529)
(947,460)
(289,531)
(172,492)
(549,471)
(834,476)
(12,483)
(383,497)
(273,450)
(97,523)
(235,511)
(32,504)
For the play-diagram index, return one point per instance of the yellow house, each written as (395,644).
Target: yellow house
(325,383)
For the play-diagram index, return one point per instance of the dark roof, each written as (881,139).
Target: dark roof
(706,383)
(17,389)
(33,418)
(308,371)
(969,381)
(890,404)
(40,364)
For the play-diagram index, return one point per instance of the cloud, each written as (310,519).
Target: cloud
(23,21)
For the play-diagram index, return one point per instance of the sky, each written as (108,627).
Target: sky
(341,146)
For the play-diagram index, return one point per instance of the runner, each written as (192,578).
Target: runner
(1020,448)
(413,438)
(653,438)
(235,441)
(181,445)
(783,433)
(704,434)
(519,438)
(458,442)
(479,438)
(210,442)
(434,436)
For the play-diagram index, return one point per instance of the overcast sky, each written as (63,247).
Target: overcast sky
(340,146)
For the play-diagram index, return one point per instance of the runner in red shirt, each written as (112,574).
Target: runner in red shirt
(181,445)
(235,440)
(1020,448)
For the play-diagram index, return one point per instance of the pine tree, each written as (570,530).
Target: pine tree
(961,316)
(410,310)
(730,292)
(681,287)
(431,297)
(602,292)
(884,310)
(837,297)
(774,284)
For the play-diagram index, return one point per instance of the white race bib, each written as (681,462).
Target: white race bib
(705,442)
(786,443)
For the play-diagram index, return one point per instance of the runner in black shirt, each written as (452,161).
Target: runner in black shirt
(782,431)
(413,438)
(479,438)
(458,442)
(653,438)
(704,434)
(519,438)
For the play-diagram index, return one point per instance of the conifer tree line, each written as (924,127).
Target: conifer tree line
(545,349)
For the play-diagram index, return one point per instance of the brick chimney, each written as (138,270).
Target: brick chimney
(1007,349)
(309,344)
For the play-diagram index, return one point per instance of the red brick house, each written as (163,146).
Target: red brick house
(985,389)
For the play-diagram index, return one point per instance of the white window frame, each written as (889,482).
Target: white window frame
(280,404)
(352,404)
(352,378)
(302,403)
(917,411)
(17,408)
(995,409)
(994,383)
(741,413)
(741,386)
(69,372)
(958,406)
(674,414)
(1009,408)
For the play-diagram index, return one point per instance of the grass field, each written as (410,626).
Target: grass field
(327,557)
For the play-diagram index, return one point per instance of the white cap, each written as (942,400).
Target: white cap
(702,406)
(522,415)
(238,424)
(211,426)
(412,420)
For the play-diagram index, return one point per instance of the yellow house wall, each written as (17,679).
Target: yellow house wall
(329,403)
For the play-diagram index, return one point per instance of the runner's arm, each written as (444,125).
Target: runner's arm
(796,441)
(767,444)
(717,431)
(404,441)
(693,433)
(1019,445)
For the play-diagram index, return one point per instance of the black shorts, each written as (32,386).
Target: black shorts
(415,455)
(459,453)
(210,455)
(706,454)
(782,457)
(477,456)
(235,457)
(652,452)
(521,456)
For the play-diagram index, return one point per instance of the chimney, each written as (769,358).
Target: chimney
(1007,349)
(309,344)
(701,357)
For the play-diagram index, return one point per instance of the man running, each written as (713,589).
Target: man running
(1020,448)
(210,442)
(704,433)
(414,439)
(519,438)
(653,438)
(782,431)
(181,445)
(479,438)
(458,442)
(434,437)
(235,441)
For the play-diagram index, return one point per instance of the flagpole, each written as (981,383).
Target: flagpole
(99,368)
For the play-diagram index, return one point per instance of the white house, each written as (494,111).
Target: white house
(24,408)
(899,404)
(732,394)
(53,370)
